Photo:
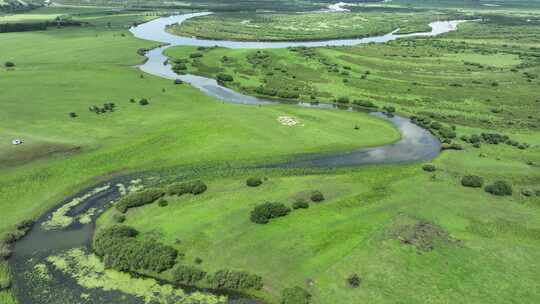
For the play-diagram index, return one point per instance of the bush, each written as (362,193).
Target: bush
(262,214)
(5,251)
(354,280)
(224,77)
(144,102)
(72,114)
(119,218)
(429,168)
(295,295)
(499,188)
(139,199)
(317,196)
(178,81)
(389,109)
(254,182)
(187,275)
(343,99)
(9,64)
(193,187)
(300,204)
(230,279)
(472,181)
(195,55)
(119,249)
(163,203)
(198,261)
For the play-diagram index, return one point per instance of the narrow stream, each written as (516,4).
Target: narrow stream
(416,144)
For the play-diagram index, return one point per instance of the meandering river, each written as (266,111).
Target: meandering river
(416,144)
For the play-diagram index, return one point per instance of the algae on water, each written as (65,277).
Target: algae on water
(59,218)
(90,273)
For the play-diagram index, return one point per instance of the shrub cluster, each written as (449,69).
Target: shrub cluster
(295,295)
(354,280)
(429,168)
(499,188)
(365,104)
(107,107)
(13,236)
(9,64)
(472,181)
(300,204)
(445,134)
(254,181)
(139,199)
(493,139)
(194,187)
(224,77)
(187,275)
(262,214)
(230,279)
(119,249)
(317,196)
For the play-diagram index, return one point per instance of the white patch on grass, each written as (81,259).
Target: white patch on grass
(288,121)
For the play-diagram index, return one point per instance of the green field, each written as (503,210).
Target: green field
(308,26)
(484,78)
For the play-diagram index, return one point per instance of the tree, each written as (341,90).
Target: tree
(9,64)
(72,114)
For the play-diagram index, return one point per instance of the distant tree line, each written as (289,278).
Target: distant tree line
(36,26)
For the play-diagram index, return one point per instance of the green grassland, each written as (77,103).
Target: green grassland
(74,69)
(307,26)
(483,78)
(473,77)
(351,232)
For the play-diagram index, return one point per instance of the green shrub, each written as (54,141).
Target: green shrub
(139,199)
(238,280)
(119,249)
(5,251)
(295,295)
(144,102)
(343,99)
(224,77)
(354,280)
(472,181)
(195,55)
(300,204)
(163,203)
(317,196)
(254,182)
(429,168)
(119,218)
(187,275)
(9,64)
(198,261)
(262,214)
(198,187)
(499,188)
(193,187)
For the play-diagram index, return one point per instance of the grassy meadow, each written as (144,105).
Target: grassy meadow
(308,26)
(481,79)
(76,68)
